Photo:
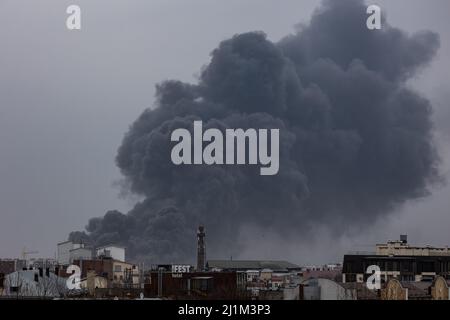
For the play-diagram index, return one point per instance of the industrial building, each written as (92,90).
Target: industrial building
(403,248)
(196,285)
(116,273)
(68,251)
(111,251)
(399,260)
(247,265)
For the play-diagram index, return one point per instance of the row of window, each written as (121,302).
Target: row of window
(403,266)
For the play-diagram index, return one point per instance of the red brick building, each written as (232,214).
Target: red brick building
(196,285)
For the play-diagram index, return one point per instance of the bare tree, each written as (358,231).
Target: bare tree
(44,287)
(14,285)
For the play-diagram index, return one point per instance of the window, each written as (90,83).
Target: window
(350,277)
(407,278)
(202,284)
(406,266)
(117,268)
(427,266)
(390,266)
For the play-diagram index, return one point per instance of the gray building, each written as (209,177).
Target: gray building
(245,265)
(325,289)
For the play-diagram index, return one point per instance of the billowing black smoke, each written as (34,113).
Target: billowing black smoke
(355,142)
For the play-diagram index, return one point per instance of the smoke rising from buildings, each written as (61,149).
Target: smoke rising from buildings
(355,141)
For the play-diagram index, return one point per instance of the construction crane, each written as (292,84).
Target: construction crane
(26,252)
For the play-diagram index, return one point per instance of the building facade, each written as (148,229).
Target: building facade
(68,251)
(402,248)
(400,261)
(196,285)
(118,274)
(111,251)
(326,289)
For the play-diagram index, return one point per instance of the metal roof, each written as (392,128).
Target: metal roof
(251,264)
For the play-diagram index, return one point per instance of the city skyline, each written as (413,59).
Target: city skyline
(47,189)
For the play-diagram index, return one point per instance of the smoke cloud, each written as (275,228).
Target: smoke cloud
(355,141)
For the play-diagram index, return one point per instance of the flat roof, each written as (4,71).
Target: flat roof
(251,264)
(81,248)
(111,245)
(67,241)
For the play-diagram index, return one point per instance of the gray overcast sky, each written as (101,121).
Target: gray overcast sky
(67,98)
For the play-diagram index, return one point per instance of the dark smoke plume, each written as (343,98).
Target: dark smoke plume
(355,141)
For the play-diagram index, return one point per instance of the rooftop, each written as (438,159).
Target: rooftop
(110,246)
(251,264)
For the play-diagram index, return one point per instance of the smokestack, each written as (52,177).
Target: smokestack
(201,250)
(404,238)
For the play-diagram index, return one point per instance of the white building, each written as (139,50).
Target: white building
(252,275)
(80,254)
(325,289)
(114,252)
(69,251)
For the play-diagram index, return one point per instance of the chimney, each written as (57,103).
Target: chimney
(201,250)
(404,238)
